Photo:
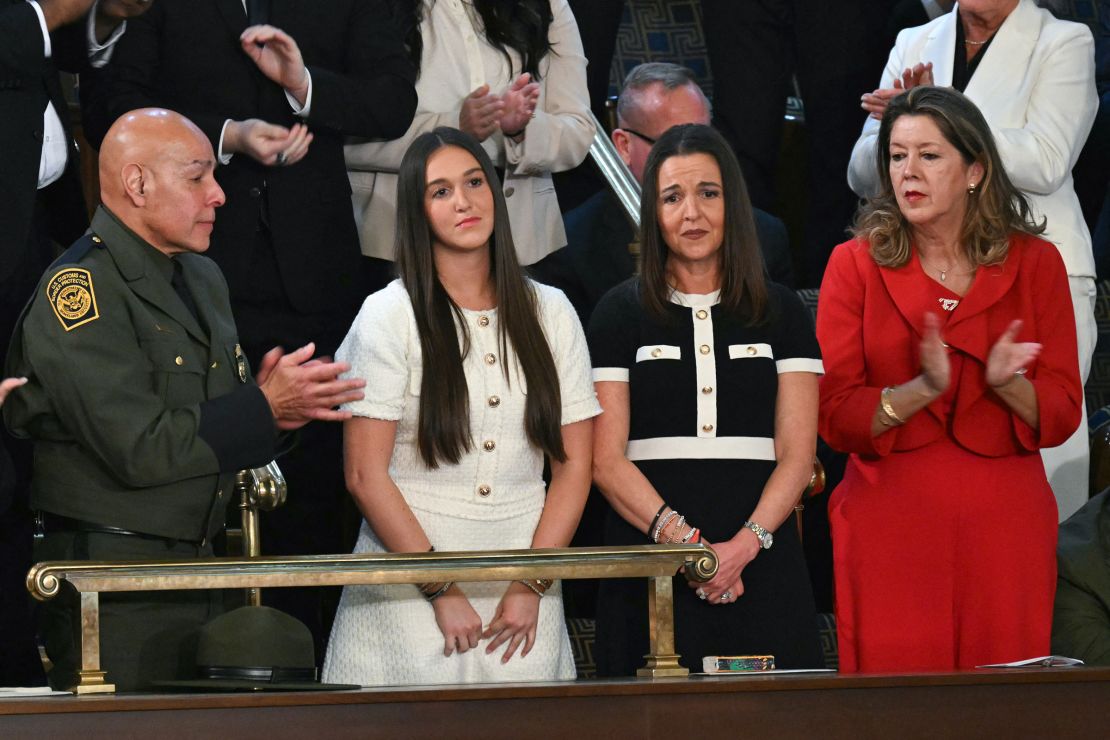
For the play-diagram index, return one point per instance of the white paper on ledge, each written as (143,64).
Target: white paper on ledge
(1045,661)
(22,692)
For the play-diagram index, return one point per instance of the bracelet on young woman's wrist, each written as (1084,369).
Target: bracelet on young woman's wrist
(538,586)
(439,589)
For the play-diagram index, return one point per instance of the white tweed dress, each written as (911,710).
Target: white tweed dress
(387,635)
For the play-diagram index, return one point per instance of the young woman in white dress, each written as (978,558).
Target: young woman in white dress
(474,373)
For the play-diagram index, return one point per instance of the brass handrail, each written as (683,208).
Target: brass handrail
(616,173)
(657,562)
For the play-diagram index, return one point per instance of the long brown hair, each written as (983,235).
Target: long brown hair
(994,211)
(743,284)
(444,425)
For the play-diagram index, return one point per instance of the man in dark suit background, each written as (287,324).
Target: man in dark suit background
(276,85)
(756,48)
(40,206)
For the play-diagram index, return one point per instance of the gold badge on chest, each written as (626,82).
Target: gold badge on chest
(241,363)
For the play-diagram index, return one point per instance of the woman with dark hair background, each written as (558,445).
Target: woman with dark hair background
(512,74)
(707,374)
(474,374)
(950,349)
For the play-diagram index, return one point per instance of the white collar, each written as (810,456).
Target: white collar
(695,300)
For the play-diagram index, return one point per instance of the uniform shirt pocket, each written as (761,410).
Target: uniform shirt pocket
(658,352)
(178,372)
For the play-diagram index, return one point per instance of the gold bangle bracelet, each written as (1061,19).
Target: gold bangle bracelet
(888,407)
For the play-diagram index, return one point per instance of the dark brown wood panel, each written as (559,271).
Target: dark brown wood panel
(1070,703)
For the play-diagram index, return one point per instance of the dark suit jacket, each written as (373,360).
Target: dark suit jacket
(596,257)
(185,55)
(1081,617)
(905,14)
(28,80)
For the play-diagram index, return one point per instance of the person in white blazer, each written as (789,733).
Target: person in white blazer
(456,62)
(1035,85)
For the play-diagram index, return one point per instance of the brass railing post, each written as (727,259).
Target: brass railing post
(662,660)
(249,518)
(260,489)
(90,679)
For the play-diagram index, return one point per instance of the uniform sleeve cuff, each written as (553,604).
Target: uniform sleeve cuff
(239,427)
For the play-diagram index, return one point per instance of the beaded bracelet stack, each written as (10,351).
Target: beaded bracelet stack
(659,526)
(433,591)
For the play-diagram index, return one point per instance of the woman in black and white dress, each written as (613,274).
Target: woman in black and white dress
(707,374)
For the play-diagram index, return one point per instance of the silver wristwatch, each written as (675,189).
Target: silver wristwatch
(766,539)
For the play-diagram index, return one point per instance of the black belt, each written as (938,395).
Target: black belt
(49,523)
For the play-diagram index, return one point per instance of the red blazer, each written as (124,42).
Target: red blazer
(869,324)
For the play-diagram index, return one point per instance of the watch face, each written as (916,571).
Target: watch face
(768,540)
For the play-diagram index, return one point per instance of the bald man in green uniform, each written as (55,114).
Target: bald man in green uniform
(139,400)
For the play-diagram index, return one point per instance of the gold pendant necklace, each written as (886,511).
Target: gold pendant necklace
(943,272)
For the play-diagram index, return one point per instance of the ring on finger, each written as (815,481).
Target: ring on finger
(726,596)
(279,160)
(701,593)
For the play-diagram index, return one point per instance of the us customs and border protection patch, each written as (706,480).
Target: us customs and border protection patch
(71,295)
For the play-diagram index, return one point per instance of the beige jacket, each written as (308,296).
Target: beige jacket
(456,60)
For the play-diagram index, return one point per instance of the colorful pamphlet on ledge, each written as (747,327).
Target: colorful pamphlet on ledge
(1045,661)
(737,663)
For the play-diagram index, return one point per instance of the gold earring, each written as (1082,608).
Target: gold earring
(971,188)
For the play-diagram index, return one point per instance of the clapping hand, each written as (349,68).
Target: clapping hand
(1009,358)
(935,366)
(277,55)
(514,621)
(300,389)
(520,104)
(480,113)
(483,112)
(267,143)
(7,385)
(875,102)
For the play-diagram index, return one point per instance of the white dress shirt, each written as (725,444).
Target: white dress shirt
(52,161)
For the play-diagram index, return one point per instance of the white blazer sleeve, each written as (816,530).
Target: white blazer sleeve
(863,179)
(559,137)
(385,156)
(1040,155)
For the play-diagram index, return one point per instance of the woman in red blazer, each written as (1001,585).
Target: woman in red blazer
(950,358)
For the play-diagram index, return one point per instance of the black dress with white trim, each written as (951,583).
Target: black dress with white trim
(702,390)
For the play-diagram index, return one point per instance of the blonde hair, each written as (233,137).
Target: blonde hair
(994,211)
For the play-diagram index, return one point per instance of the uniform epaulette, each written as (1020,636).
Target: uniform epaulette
(78,250)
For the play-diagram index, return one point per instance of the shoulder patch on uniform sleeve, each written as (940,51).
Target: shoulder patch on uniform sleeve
(71,295)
